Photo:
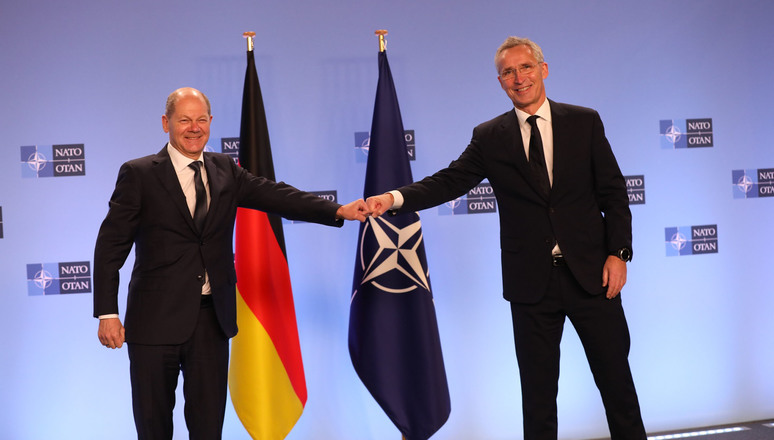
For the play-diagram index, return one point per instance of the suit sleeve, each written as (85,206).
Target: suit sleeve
(449,183)
(610,191)
(284,200)
(115,240)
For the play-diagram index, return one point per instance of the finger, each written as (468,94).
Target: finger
(121,337)
(614,289)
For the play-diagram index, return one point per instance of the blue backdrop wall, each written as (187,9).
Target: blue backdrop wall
(95,74)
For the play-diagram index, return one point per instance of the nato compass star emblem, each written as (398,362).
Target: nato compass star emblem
(678,241)
(673,134)
(42,279)
(389,256)
(744,183)
(37,161)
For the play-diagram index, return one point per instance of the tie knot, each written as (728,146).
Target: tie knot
(532,120)
(196,165)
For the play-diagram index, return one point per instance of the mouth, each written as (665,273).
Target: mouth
(523,89)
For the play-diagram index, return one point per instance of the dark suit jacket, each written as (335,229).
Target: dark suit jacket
(587,211)
(148,210)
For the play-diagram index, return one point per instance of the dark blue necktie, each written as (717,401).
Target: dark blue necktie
(200,211)
(537,161)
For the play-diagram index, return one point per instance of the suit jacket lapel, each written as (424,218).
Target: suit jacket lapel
(165,172)
(562,157)
(512,138)
(515,145)
(215,180)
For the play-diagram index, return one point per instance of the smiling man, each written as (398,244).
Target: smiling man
(177,208)
(565,236)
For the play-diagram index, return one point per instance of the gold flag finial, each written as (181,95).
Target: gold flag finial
(382,44)
(249,36)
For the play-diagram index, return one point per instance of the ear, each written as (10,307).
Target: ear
(165,123)
(545,70)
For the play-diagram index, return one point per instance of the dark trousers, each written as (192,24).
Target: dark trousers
(154,370)
(602,329)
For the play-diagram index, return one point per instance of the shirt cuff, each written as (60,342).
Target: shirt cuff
(398,202)
(112,315)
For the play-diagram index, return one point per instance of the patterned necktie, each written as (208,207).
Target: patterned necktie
(537,161)
(200,211)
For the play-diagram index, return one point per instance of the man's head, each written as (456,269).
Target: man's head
(187,120)
(521,70)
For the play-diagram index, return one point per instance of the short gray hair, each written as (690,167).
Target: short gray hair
(518,41)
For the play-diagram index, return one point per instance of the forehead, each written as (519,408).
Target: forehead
(516,55)
(191,106)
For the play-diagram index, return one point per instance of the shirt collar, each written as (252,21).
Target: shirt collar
(544,112)
(180,162)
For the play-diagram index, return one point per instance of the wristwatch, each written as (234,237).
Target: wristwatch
(625,254)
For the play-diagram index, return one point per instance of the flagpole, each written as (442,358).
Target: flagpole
(382,44)
(249,36)
(382,47)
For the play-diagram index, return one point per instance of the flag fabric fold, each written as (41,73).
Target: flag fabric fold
(266,374)
(394,342)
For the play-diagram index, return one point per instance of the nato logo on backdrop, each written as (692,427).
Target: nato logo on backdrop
(691,240)
(685,133)
(754,183)
(479,200)
(635,188)
(230,146)
(363,143)
(53,160)
(58,278)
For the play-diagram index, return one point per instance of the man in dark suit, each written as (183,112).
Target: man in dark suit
(181,307)
(565,234)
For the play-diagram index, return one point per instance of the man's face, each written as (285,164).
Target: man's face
(521,76)
(188,126)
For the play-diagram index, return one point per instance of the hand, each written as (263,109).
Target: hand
(613,276)
(380,204)
(357,210)
(111,333)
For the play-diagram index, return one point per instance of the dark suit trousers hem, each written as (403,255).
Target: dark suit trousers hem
(154,371)
(602,329)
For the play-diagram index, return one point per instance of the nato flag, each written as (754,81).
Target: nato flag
(393,333)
